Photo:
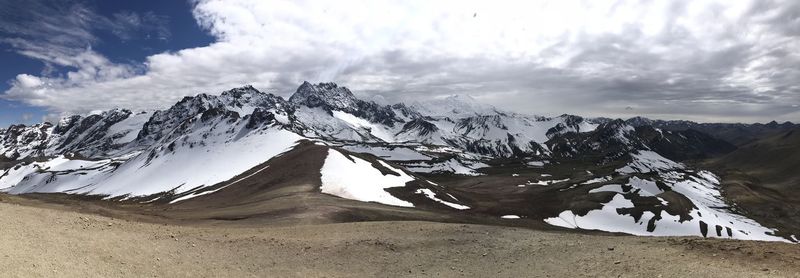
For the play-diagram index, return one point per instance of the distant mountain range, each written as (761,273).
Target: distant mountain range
(735,133)
(453,155)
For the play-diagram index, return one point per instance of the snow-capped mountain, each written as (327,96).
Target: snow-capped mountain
(95,135)
(389,154)
(453,107)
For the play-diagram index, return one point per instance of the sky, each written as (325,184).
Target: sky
(701,60)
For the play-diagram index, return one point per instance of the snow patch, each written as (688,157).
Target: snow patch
(608,188)
(649,161)
(428,193)
(357,179)
(546,182)
(597,180)
(376,130)
(219,158)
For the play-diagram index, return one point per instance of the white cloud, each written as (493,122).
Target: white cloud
(28,81)
(667,58)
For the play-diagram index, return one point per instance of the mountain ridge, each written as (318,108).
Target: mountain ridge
(393,155)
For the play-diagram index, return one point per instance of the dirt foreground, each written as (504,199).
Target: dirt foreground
(46,242)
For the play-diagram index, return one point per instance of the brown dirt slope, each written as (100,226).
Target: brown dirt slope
(46,242)
(763,177)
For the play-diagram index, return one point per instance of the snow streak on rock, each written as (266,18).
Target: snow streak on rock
(632,210)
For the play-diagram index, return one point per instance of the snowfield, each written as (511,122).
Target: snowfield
(218,159)
(708,217)
(649,161)
(356,179)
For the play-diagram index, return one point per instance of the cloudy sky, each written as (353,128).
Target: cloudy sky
(729,61)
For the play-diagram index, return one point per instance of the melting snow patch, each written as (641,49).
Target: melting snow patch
(706,219)
(546,183)
(450,166)
(358,180)
(597,180)
(320,143)
(608,188)
(647,188)
(649,161)
(536,163)
(573,186)
(565,219)
(187,197)
(428,193)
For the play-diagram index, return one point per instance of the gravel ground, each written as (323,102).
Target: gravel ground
(46,242)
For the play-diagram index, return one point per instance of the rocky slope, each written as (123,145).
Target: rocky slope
(761,178)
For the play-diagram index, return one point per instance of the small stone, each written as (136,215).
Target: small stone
(765,269)
(610,248)
(617,262)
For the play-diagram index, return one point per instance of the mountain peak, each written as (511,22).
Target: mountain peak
(328,95)
(639,121)
(454,105)
(240,91)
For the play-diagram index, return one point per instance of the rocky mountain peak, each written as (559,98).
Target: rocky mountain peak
(238,99)
(19,141)
(616,124)
(327,95)
(241,92)
(639,121)
(617,130)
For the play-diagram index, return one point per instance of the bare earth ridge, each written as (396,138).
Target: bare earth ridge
(46,240)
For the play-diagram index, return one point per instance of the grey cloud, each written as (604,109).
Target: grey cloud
(745,69)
